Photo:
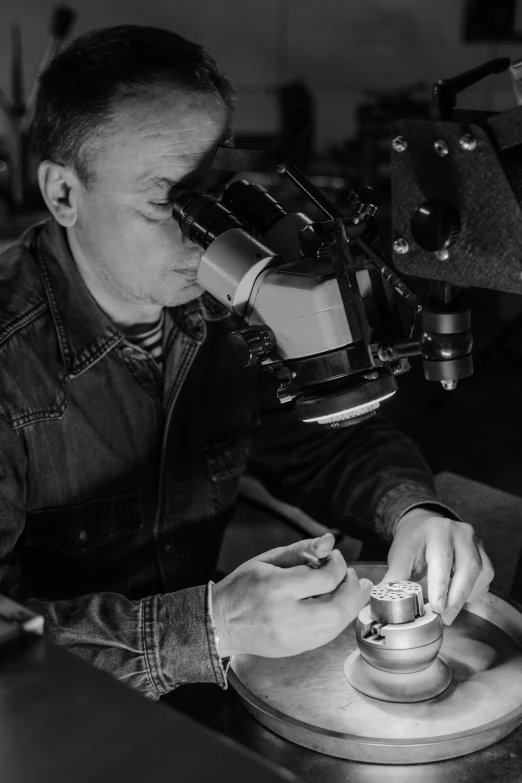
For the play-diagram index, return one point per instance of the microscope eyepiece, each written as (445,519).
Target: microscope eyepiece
(254,206)
(202,218)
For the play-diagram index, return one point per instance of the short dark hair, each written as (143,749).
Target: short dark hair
(77,88)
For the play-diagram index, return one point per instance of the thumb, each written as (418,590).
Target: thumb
(400,565)
(289,556)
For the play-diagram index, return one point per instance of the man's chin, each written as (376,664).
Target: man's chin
(187,294)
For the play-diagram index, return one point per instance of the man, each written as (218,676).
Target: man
(125,425)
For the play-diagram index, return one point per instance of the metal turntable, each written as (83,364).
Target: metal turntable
(309,700)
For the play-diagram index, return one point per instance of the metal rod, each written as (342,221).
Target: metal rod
(287,166)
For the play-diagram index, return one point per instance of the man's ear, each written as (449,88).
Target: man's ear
(60,187)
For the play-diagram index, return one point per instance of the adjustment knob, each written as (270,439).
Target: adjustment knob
(364,203)
(249,346)
(435,225)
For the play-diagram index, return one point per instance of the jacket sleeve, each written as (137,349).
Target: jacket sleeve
(154,644)
(361,479)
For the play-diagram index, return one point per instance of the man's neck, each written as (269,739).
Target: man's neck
(124,314)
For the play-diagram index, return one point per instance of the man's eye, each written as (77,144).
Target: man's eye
(163,206)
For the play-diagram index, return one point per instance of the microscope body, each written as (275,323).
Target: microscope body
(300,301)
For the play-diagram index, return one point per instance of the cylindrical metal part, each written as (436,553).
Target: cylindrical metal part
(407,644)
(396,602)
(404,661)
(230,267)
(202,218)
(283,237)
(254,206)
(446,342)
(446,321)
(266,219)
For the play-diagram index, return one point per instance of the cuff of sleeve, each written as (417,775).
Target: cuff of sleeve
(178,639)
(401,499)
(221,664)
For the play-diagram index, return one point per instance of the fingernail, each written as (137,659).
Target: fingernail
(449,616)
(440,605)
(366,585)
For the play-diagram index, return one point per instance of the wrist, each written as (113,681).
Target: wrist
(417,515)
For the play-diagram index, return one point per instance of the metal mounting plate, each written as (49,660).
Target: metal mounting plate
(307,700)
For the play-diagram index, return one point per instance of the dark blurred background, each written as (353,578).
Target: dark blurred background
(327,78)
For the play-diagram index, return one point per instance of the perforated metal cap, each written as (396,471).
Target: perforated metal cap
(396,602)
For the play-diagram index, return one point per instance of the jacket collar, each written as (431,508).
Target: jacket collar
(85,332)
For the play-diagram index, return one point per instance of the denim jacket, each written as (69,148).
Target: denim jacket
(117,482)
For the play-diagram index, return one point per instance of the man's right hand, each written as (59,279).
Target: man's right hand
(275,605)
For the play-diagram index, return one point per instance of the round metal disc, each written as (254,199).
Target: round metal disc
(401,688)
(307,699)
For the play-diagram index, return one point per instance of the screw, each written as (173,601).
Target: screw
(280,168)
(399,144)
(441,148)
(442,255)
(401,246)
(449,385)
(468,142)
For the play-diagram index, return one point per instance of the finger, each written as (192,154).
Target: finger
(400,564)
(486,575)
(349,598)
(439,562)
(288,556)
(467,565)
(304,582)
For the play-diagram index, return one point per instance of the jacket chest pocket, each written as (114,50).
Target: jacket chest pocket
(86,547)
(80,529)
(226,459)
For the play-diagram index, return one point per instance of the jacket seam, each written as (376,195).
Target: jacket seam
(148,642)
(60,330)
(23,320)
(37,416)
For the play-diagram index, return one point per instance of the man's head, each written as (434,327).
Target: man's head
(126,118)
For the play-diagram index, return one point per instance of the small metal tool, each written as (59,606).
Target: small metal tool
(314,561)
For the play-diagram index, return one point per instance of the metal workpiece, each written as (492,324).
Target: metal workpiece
(402,636)
(398,662)
(396,602)
(308,700)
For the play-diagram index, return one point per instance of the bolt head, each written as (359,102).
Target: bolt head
(280,168)
(468,142)
(401,246)
(442,255)
(441,148)
(449,385)
(399,144)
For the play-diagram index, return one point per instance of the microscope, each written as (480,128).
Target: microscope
(318,300)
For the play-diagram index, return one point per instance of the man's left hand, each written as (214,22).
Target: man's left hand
(457,566)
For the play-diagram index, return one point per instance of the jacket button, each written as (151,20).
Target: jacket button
(83,535)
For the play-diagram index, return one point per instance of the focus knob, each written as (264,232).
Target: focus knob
(435,225)
(249,346)
(364,203)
